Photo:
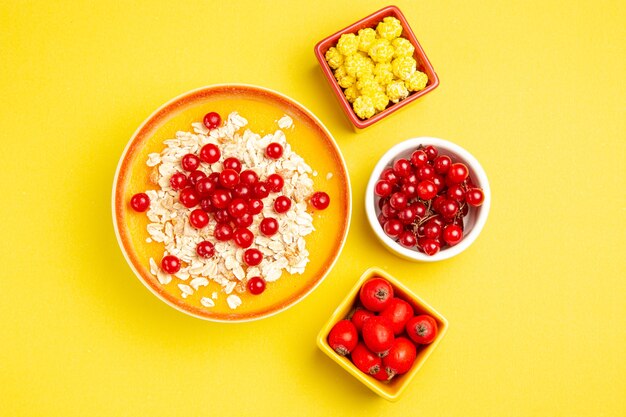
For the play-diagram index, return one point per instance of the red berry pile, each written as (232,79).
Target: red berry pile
(382,335)
(231,197)
(424,199)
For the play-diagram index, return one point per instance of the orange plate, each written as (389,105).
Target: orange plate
(423,64)
(389,390)
(262,107)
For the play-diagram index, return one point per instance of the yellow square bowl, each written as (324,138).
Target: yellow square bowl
(393,389)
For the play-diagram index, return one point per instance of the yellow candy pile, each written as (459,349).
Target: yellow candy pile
(375,67)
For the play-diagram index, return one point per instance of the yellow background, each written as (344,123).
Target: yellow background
(534,89)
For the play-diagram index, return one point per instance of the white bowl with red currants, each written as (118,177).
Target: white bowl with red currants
(427,199)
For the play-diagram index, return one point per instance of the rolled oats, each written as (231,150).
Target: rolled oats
(169,224)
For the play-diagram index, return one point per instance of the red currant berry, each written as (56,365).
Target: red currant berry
(419,158)
(383,188)
(407,239)
(215,178)
(438,220)
(242,191)
(252,257)
(282,204)
(393,228)
(255,206)
(398,200)
(190,162)
(212,120)
(320,200)
(457,173)
(474,197)
(275,182)
(274,150)
(244,220)
(426,190)
(170,264)
(196,176)
(198,218)
(456,192)
(452,234)
(248,177)
(260,190)
(407,215)
(232,163)
(220,198)
(382,219)
(389,176)
(140,202)
(237,208)
(205,204)
(269,226)
(420,210)
(402,168)
(189,197)
(425,172)
(204,187)
(458,221)
(442,164)
(389,211)
(412,179)
(439,182)
(256,285)
(210,153)
(432,230)
(222,216)
(438,203)
(410,190)
(223,232)
(431,152)
(178,181)
(382,202)
(205,249)
(449,208)
(428,246)
(243,237)
(229,178)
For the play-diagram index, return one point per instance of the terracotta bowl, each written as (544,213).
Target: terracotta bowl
(423,64)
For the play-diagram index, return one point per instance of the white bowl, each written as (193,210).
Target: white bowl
(473,222)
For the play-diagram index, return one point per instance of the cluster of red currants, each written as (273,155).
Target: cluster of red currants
(423,200)
(233,197)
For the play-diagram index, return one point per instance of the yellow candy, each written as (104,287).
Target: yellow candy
(334,58)
(397,91)
(417,81)
(403,67)
(402,47)
(346,81)
(380,100)
(381,50)
(348,44)
(383,74)
(366,37)
(358,66)
(340,72)
(368,85)
(351,93)
(364,107)
(390,28)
